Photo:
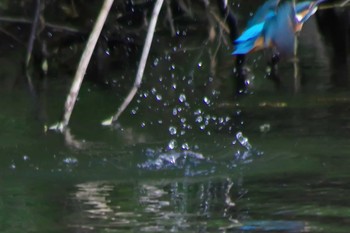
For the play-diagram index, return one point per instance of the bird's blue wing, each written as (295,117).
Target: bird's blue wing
(302,6)
(244,47)
(251,33)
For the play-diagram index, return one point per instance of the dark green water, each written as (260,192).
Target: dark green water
(186,157)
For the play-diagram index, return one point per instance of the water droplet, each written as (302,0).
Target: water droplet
(13,165)
(174,111)
(200,64)
(25,157)
(185,146)
(134,110)
(182,98)
(143,124)
(198,112)
(156,62)
(199,119)
(206,100)
(172,130)
(243,140)
(172,144)
(153,91)
(70,160)
(159,97)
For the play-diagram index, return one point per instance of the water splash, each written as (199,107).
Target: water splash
(172,144)
(182,98)
(172,130)
(243,141)
(172,160)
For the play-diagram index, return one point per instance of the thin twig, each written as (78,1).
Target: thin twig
(220,22)
(331,6)
(344,3)
(33,33)
(141,68)
(53,26)
(170,18)
(84,61)
(296,61)
(31,41)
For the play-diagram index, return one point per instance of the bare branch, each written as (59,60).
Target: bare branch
(141,68)
(84,61)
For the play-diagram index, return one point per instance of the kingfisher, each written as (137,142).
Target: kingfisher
(274,25)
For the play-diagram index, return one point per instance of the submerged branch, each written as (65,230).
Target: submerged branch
(84,61)
(141,68)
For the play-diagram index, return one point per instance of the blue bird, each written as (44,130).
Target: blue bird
(267,10)
(279,30)
(274,25)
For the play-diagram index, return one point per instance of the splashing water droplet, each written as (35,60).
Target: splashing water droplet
(172,130)
(185,146)
(134,110)
(243,140)
(206,100)
(182,98)
(154,91)
(13,165)
(174,111)
(159,97)
(172,144)
(198,112)
(156,62)
(200,64)
(70,160)
(199,119)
